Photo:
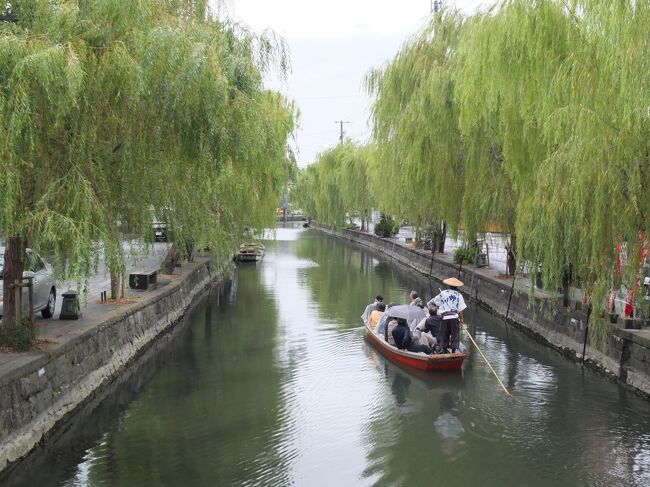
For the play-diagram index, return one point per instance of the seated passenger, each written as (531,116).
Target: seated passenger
(388,335)
(433,325)
(371,307)
(403,340)
(383,322)
(423,337)
(376,315)
(415,301)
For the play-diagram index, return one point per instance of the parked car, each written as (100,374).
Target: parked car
(44,283)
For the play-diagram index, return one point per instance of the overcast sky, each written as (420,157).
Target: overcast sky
(333,45)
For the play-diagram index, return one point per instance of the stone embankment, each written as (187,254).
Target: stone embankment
(625,355)
(42,388)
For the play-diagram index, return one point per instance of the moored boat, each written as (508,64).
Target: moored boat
(250,252)
(421,361)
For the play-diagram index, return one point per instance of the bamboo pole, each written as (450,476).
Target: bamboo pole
(486,361)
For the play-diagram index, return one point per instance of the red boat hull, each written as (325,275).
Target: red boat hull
(449,361)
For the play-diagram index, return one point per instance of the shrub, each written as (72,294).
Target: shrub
(18,335)
(466,255)
(386,227)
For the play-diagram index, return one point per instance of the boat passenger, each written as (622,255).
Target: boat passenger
(416,300)
(403,339)
(383,322)
(374,317)
(426,335)
(371,307)
(433,325)
(388,334)
(451,306)
(423,338)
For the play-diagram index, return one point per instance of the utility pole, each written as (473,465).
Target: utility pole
(436,6)
(341,122)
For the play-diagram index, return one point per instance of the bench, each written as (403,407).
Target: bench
(142,279)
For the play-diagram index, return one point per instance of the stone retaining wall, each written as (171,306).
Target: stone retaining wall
(625,356)
(39,394)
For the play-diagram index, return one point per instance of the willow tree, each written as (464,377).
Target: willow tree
(113,110)
(326,193)
(418,172)
(305,192)
(549,113)
(336,186)
(353,180)
(591,190)
(501,81)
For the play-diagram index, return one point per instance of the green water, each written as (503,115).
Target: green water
(272,383)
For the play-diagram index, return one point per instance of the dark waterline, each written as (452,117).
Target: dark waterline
(272,383)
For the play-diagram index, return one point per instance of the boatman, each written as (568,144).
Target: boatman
(451,306)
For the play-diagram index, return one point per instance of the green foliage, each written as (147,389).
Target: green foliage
(466,255)
(415,128)
(531,117)
(18,336)
(113,110)
(386,227)
(432,234)
(545,120)
(336,185)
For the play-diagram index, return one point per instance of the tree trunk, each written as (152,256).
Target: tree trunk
(511,259)
(566,282)
(189,250)
(14,264)
(169,263)
(442,237)
(117,289)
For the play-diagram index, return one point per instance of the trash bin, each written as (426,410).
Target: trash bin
(70,306)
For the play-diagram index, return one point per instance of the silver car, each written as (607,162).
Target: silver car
(44,283)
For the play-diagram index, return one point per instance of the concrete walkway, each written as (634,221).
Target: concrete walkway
(54,333)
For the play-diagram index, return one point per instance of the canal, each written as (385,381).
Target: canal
(272,383)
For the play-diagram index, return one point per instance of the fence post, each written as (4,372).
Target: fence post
(30,285)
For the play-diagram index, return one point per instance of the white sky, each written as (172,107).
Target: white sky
(333,45)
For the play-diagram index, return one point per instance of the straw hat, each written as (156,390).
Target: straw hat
(453,282)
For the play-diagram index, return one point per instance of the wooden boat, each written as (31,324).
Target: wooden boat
(250,252)
(421,361)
